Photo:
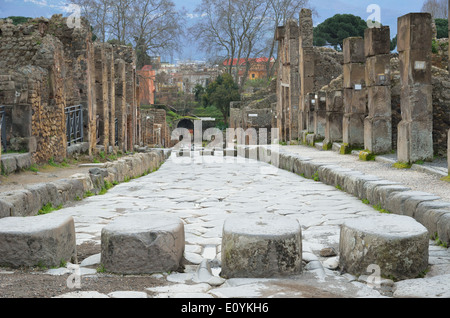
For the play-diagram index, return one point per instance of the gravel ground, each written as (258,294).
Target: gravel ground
(416,180)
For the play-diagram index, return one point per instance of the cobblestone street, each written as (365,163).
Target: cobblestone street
(204,192)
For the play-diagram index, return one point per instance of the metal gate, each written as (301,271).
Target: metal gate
(74,124)
(3,127)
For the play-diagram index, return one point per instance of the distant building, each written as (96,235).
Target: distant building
(257,67)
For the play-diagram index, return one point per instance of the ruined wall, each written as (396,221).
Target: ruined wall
(33,64)
(46,66)
(155,131)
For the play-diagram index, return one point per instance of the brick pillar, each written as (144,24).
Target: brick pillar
(354,92)
(415,131)
(279,36)
(378,124)
(334,116)
(292,34)
(112,96)
(320,115)
(121,103)
(102,93)
(306,64)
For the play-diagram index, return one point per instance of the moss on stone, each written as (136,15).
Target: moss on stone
(366,155)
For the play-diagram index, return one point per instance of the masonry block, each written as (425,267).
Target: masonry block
(414,32)
(355,101)
(378,70)
(415,141)
(415,67)
(378,134)
(333,128)
(335,101)
(353,129)
(377,41)
(354,74)
(354,50)
(379,101)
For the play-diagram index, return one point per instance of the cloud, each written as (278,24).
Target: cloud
(42,3)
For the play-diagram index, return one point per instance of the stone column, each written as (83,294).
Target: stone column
(415,139)
(334,116)
(354,92)
(279,35)
(112,97)
(292,34)
(121,103)
(306,63)
(102,94)
(448,152)
(320,115)
(378,124)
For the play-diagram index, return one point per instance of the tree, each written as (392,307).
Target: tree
(334,30)
(394,43)
(232,29)
(280,11)
(437,8)
(151,26)
(199,90)
(442,28)
(221,93)
(18,20)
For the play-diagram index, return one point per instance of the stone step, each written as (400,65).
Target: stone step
(45,240)
(398,245)
(142,243)
(255,247)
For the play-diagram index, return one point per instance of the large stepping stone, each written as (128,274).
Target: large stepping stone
(397,244)
(260,247)
(44,240)
(142,243)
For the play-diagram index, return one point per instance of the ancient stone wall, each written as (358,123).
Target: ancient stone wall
(46,66)
(407,90)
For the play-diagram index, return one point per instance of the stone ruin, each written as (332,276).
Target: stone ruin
(63,92)
(364,97)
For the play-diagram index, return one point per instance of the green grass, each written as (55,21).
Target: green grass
(380,209)
(88,194)
(48,208)
(315,176)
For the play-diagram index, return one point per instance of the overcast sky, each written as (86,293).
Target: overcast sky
(390,9)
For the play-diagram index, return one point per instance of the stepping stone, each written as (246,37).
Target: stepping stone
(142,243)
(261,247)
(397,244)
(44,240)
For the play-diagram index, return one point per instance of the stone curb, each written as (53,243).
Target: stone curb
(426,208)
(28,201)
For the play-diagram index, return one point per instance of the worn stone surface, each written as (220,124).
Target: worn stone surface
(261,247)
(45,240)
(142,243)
(397,244)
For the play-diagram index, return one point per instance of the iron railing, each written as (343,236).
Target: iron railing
(74,124)
(3,127)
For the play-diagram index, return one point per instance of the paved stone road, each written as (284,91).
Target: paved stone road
(204,194)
